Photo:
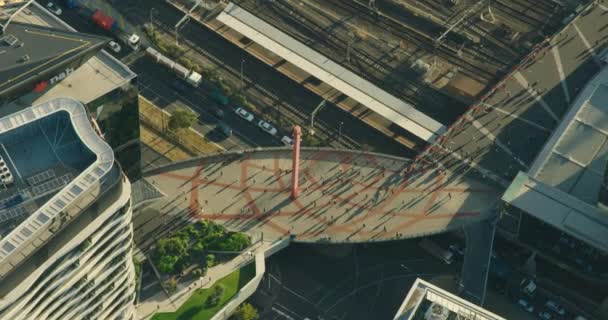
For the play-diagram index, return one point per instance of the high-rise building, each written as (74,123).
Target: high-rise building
(65,218)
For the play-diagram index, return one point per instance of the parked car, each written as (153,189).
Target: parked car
(525,305)
(553,306)
(244,114)
(218,112)
(54,8)
(287,141)
(114,46)
(456,248)
(179,86)
(225,129)
(544,315)
(267,127)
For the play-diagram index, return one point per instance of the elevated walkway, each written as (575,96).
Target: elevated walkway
(346,196)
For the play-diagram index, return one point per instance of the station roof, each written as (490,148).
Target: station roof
(424,294)
(562,210)
(563,184)
(376,99)
(27,50)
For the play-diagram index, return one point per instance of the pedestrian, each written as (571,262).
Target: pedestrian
(450,195)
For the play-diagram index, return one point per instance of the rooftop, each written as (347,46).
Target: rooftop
(105,71)
(429,302)
(563,184)
(27,50)
(56,158)
(574,160)
(363,91)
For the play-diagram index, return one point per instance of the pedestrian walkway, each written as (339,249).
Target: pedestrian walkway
(346,196)
(163,303)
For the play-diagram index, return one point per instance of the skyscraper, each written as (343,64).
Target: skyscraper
(65,218)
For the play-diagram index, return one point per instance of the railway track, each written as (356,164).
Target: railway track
(471,62)
(410,90)
(264,94)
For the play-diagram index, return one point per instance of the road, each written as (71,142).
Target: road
(268,89)
(154,83)
(154,86)
(357,282)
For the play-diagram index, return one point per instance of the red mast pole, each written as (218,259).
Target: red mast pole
(295,163)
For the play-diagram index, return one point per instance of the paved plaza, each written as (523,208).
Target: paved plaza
(345,196)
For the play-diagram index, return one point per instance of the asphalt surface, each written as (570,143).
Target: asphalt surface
(343,282)
(155,83)
(479,240)
(263,86)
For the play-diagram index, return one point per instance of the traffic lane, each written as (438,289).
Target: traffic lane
(84,24)
(292,96)
(356,282)
(204,125)
(479,240)
(155,78)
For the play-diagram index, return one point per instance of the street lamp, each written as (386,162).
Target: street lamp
(152,11)
(312,116)
(340,131)
(242,63)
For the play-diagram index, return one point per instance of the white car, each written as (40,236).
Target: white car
(287,141)
(457,249)
(267,127)
(54,8)
(553,306)
(544,315)
(244,114)
(526,305)
(114,46)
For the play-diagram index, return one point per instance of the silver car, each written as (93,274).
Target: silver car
(244,114)
(267,127)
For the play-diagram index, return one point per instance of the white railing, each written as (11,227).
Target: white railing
(87,179)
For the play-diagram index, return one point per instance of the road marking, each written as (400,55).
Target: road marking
(514,116)
(560,70)
(493,138)
(283,314)
(589,47)
(524,83)
(485,172)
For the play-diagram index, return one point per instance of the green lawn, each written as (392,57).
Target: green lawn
(194,308)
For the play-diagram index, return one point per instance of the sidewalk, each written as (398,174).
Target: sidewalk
(163,303)
(152,122)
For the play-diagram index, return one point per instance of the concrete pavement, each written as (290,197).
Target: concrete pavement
(346,196)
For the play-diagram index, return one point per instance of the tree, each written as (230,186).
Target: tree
(171,285)
(235,242)
(198,272)
(174,246)
(181,118)
(166,264)
(246,312)
(210,260)
(216,295)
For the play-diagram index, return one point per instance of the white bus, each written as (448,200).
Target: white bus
(431,247)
